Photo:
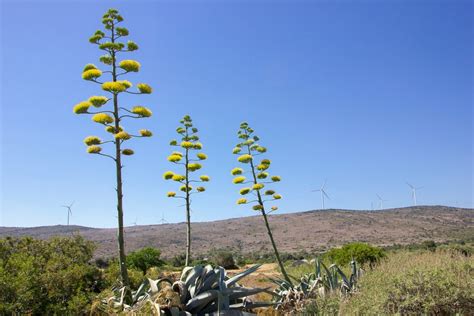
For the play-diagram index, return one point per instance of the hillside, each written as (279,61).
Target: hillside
(312,230)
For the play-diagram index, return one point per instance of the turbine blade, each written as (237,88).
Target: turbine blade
(324,192)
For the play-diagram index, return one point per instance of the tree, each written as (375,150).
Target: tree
(248,150)
(112,118)
(144,259)
(190,164)
(360,252)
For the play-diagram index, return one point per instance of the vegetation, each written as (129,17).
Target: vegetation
(108,42)
(224,259)
(144,259)
(189,142)
(422,283)
(359,252)
(248,150)
(47,277)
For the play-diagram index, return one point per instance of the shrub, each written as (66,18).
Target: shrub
(112,276)
(144,259)
(47,277)
(360,252)
(425,283)
(224,259)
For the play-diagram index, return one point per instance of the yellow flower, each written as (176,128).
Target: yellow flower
(141,111)
(144,88)
(122,135)
(185,188)
(197,146)
(127,152)
(262,175)
(244,191)
(241,201)
(258,186)
(91,74)
(276,178)
(269,192)
(171,194)
(236,150)
(276,196)
(168,175)
(204,178)
(201,189)
(187,145)
(265,162)
(173,142)
(89,67)
(174,158)
(114,87)
(127,84)
(202,156)
(178,177)
(177,153)
(102,118)
(82,107)
(92,140)
(98,101)
(238,180)
(274,208)
(262,167)
(145,133)
(111,129)
(257,207)
(261,149)
(130,65)
(245,158)
(194,166)
(236,171)
(94,149)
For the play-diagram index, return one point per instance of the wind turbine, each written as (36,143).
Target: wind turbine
(163,220)
(69,211)
(323,193)
(381,201)
(413,192)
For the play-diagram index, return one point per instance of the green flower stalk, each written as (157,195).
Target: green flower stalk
(248,152)
(189,162)
(108,41)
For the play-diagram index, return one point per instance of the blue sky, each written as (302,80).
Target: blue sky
(368,94)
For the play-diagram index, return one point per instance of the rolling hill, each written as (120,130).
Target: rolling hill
(311,230)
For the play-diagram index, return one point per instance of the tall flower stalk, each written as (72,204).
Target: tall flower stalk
(112,116)
(258,177)
(189,162)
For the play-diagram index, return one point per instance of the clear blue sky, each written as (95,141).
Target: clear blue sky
(367,94)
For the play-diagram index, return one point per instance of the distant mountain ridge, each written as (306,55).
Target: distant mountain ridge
(310,230)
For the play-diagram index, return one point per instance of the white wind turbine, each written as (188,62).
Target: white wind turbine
(69,211)
(163,220)
(413,192)
(381,201)
(323,193)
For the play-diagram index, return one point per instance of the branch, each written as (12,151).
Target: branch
(178,197)
(135,117)
(105,155)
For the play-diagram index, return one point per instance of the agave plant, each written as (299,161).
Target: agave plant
(200,290)
(323,280)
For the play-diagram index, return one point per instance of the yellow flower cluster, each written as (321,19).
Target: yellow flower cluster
(122,136)
(102,118)
(114,87)
(265,162)
(91,74)
(82,107)
(178,177)
(111,129)
(242,201)
(237,171)
(258,186)
(185,188)
(197,146)
(89,67)
(94,149)
(236,150)
(202,156)
(187,145)
(262,167)
(130,65)
(245,158)
(92,140)
(194,166)
(141,111)
(204,178)
(262,175)
(269,192)
(174,158)
(238,180)
(276,196)
(171,194)
(168,175)
(128,152)
(276,178)
(201,189)
(145,133)
(98,101)
(244,191)
(257,207)
(144,88)
(261,149)
(127,84)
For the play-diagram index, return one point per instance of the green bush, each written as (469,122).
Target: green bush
(407,283)
(360,252)
(224,259)
(47,277)
(144,259)
(111,275)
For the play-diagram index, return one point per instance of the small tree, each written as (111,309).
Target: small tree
(107,41)
(248,149)
(189,162)
(144,259)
